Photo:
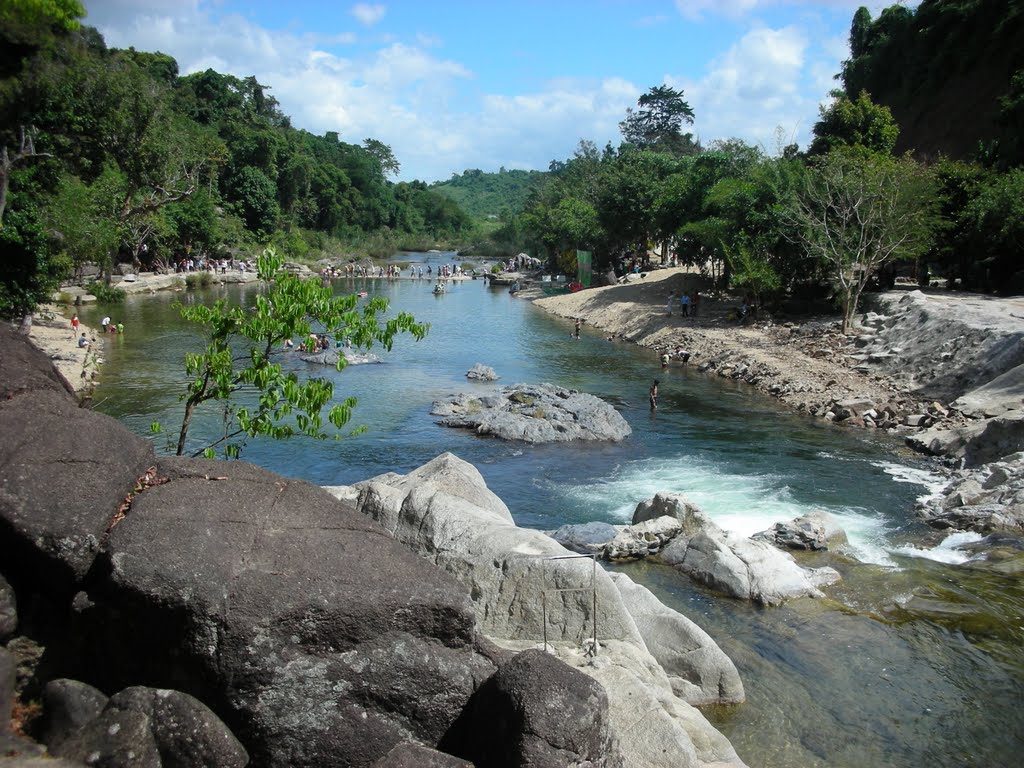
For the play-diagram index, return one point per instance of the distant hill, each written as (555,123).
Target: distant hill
(484,195)
(944,69)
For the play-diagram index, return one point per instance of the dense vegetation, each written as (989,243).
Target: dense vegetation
(951,73)
(798,225)
(112,156)
(490,195)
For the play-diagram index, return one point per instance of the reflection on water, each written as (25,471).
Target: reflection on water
(926,667)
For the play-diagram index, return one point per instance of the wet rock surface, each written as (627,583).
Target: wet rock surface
(534,413)
(481,372)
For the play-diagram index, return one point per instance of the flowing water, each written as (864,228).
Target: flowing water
(851,681)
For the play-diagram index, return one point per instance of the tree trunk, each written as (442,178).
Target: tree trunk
(190,406)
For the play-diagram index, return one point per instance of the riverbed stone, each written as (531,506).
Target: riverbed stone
(151,728)
(673,504)
(481,372)
(634,542)
(977,442)
(585,538)
(814,531)
(986,498)
(738,566)
(534,413)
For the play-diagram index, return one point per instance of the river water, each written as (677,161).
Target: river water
(854,680)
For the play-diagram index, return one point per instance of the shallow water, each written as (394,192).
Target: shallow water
(827,685)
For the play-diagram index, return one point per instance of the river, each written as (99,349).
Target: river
(850,681)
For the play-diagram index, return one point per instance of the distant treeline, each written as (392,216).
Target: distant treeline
(792,225)
(490,195)
(113,156)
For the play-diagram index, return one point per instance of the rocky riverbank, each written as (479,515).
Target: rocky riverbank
(52,334)
(400,623)
(944,371)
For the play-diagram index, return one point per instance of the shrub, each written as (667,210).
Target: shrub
(105,294)
(194,280)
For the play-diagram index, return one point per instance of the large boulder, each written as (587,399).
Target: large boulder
(310,630)
(8,610)
(534,413)
(618,542)
(512,580)
(738,566)
(511,717)
(64,479)
(445,512)
(585,538)
(699,671)
(23,368)
(411,755)
(69,705)
(152,728)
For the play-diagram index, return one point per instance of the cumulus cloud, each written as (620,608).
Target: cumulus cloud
(436,116)
(755,86)
(368,14)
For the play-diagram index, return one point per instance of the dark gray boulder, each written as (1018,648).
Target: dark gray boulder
(534,413)
(67,706)
(23,368)
(539,712)
(411,755)
(8,681)
(150,728)
(311,631)
(66,472)
(8,610)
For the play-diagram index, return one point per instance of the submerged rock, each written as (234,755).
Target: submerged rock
(331,357)
(481,372)
(534,413)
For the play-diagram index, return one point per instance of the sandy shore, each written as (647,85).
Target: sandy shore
(809,365)
(52,333)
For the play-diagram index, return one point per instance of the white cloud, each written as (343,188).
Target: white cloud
(368,14)
(696,10)
(752,88)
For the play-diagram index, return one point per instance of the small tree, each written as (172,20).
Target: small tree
(858,211)
(751,270)
(242,346)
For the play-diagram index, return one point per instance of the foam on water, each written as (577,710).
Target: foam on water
(744,504)
(933,482)
(945,552)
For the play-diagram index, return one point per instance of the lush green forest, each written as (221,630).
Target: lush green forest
(789,227)
(951,72)
(490,195)
(112,156)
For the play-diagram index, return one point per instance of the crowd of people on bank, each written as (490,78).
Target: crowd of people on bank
(204,264)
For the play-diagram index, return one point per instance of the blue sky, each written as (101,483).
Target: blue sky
(457,85)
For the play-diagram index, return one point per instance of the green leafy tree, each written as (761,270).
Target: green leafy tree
(242,347)
(657,124)
(858,211)
(854,123)
(752,271)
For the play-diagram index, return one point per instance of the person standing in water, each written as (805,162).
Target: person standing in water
(653,394)
(576,332)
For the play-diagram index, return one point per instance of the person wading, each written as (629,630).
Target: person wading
(653,393)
